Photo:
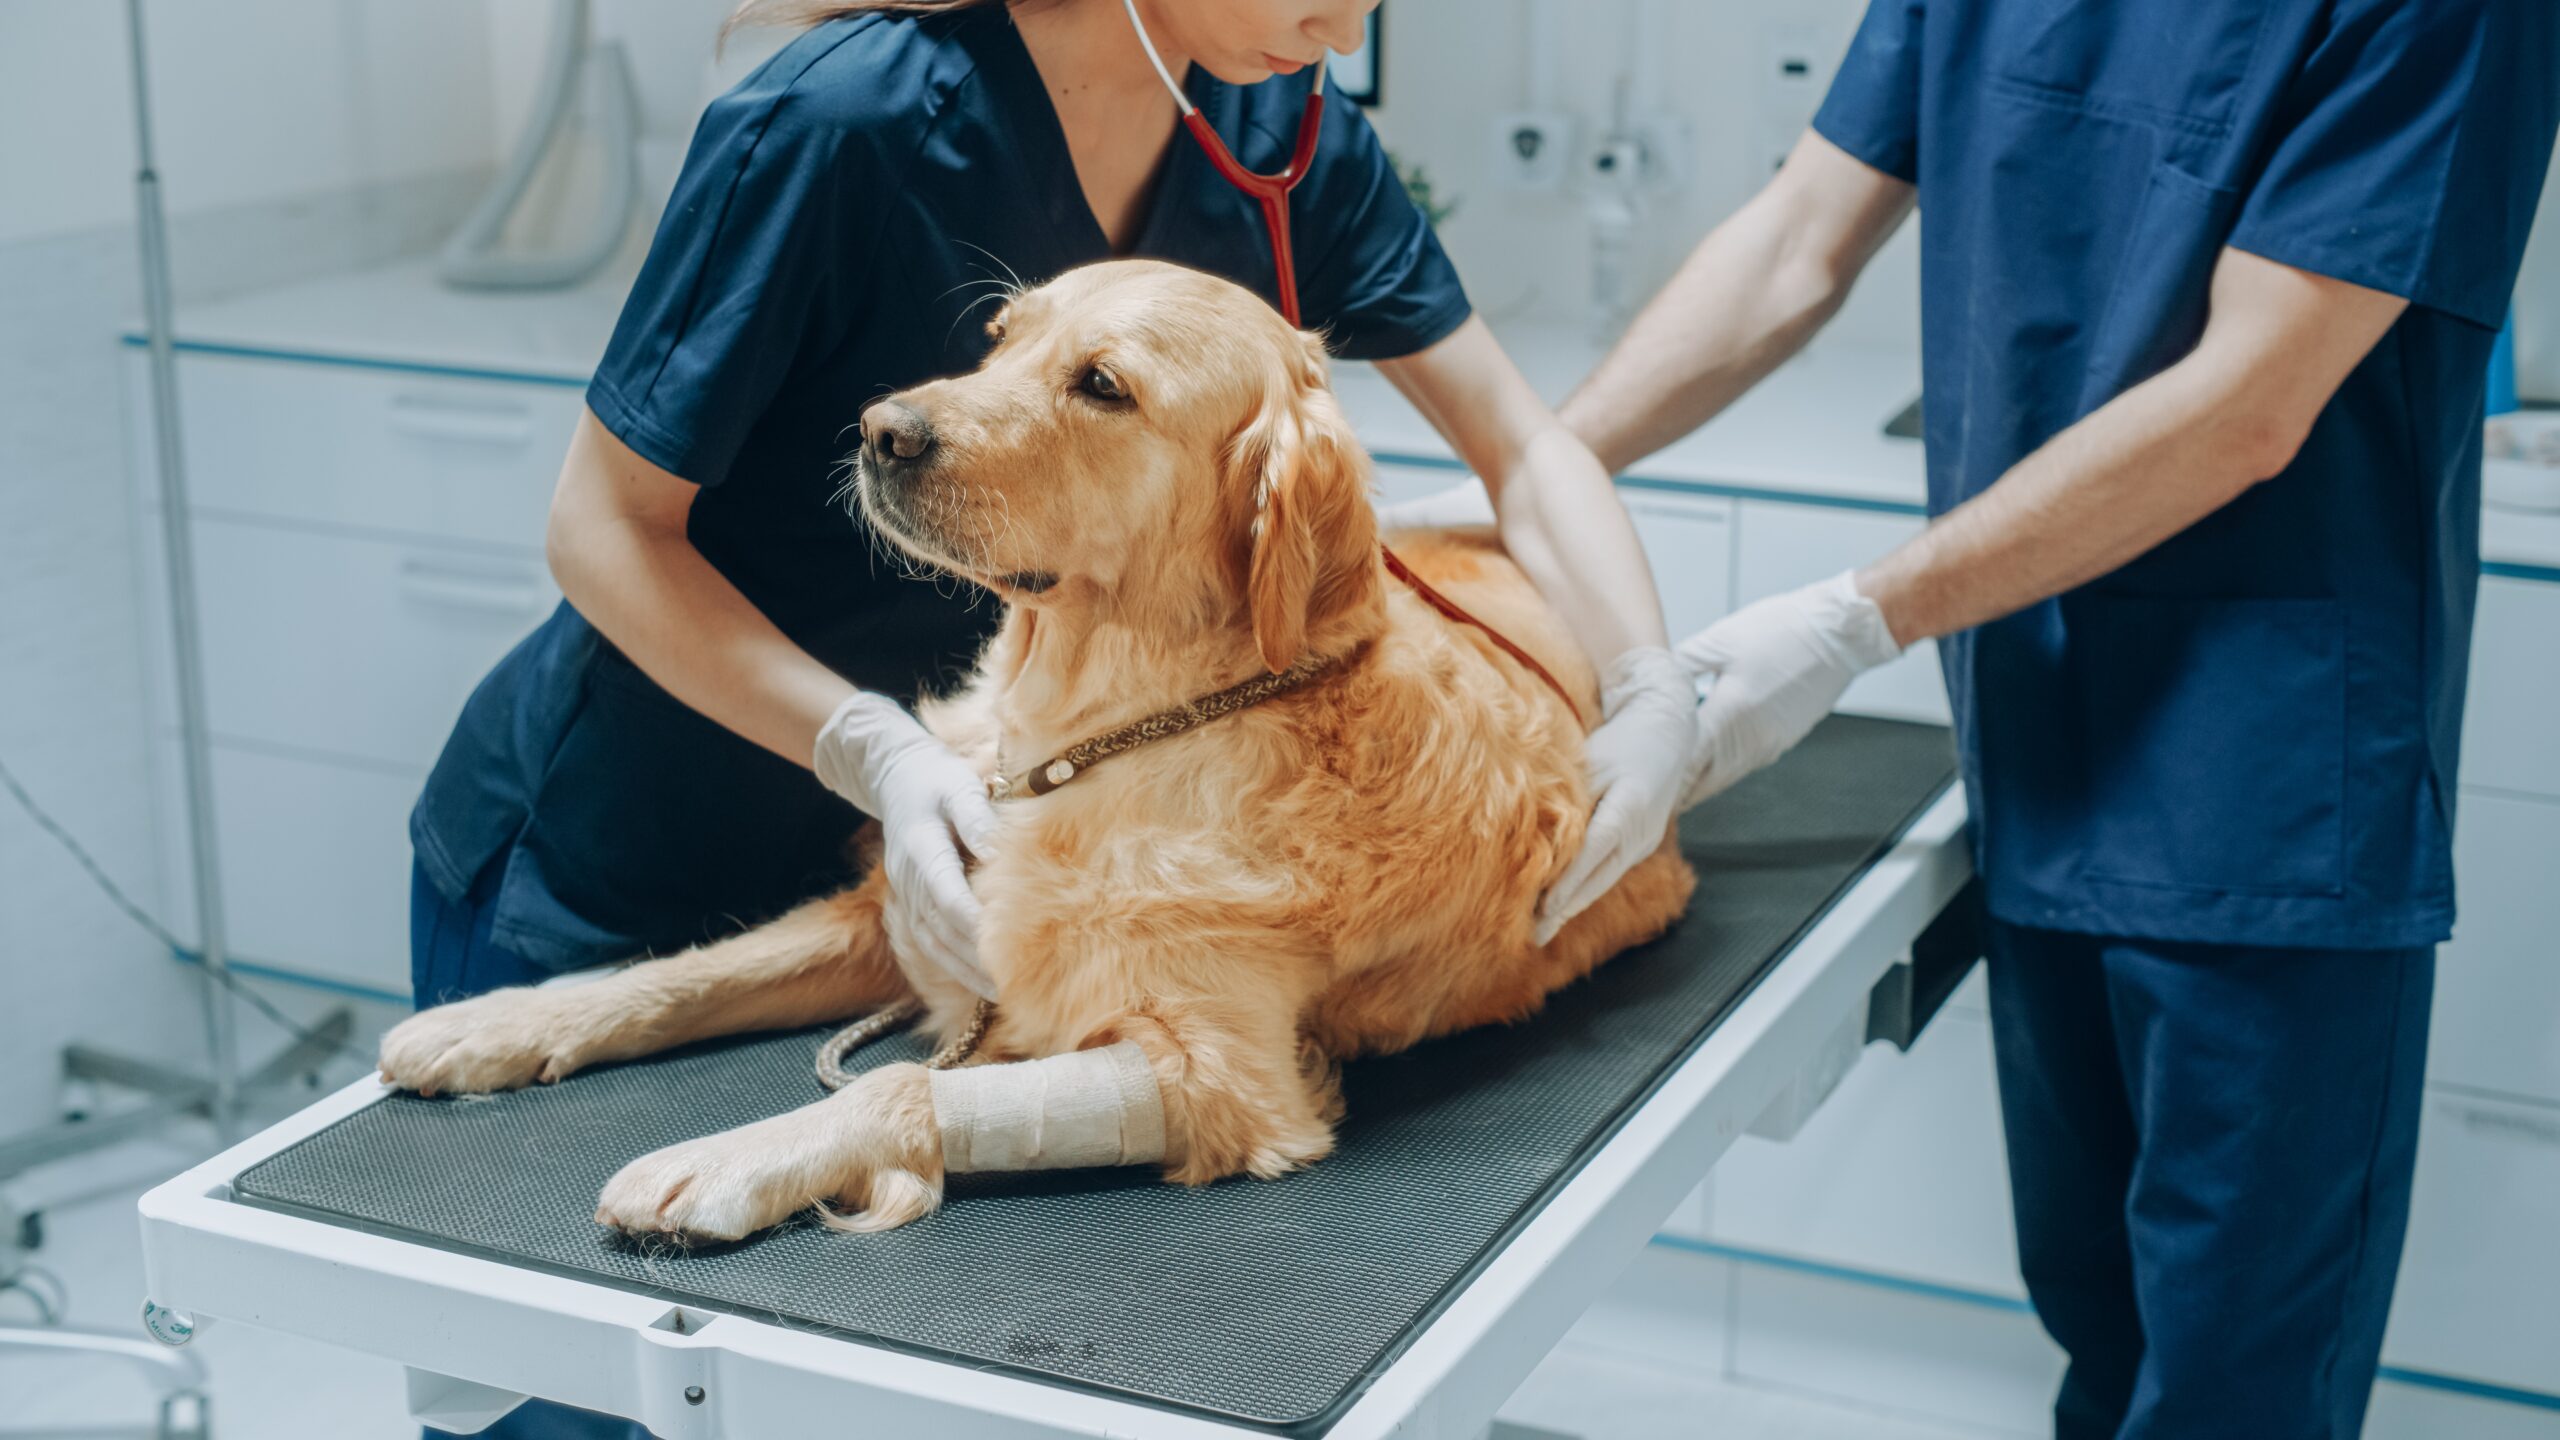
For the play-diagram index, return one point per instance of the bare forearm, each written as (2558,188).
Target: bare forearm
(1751,295)
(1561,520)
(2151,462)
(650,592)
(1732,314)
(2159,459)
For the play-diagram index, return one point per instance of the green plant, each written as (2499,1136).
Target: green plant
(1417,183)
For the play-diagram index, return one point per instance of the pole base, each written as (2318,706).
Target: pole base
(168,1094)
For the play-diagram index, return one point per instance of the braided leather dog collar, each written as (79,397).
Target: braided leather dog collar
(1189,715)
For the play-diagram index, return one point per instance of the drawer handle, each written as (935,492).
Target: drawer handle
(431,417)
(2506,1124)
(430,584)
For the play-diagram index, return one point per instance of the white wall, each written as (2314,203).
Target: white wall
(1452,65)
(258,101)
(296,136)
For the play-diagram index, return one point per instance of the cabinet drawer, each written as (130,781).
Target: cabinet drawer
(347,644)
(1688,542)
(423,454)
(2497,1007)
(2511,726)
(315,862)
(2479,1292)
(1785,546)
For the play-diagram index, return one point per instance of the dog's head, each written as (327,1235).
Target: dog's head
(1145,439)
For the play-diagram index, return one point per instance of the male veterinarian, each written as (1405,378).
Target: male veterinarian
(2208,294)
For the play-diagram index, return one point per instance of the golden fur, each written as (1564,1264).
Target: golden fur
(1343,870)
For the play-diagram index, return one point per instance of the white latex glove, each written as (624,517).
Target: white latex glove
(1772,670)
(929,803)
(1639,759)
(1464,503)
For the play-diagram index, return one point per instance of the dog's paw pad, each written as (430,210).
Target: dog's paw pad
(701,1190)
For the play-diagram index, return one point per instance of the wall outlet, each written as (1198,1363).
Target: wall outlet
(1649,156)
(1532,149)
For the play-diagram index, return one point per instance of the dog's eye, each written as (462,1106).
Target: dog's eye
(1102,385)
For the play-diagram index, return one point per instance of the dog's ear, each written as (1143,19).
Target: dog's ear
(1303,479)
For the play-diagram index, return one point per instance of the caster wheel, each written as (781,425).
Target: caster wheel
(169,1327)
(31,1230)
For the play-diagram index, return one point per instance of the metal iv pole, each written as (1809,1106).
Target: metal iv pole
(177,1380)
(169,1091)
(221,1039)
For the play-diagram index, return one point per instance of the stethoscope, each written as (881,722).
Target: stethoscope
(1271,190)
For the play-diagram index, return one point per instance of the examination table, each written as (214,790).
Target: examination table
(1488,1186)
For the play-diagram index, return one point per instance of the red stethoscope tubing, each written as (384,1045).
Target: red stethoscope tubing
(1272,191)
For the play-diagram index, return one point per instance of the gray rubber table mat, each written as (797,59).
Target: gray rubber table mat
(1271,1303)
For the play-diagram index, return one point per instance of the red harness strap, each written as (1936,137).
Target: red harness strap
(1457,612)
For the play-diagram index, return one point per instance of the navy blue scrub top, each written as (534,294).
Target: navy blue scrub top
(2249,735)
(837,214)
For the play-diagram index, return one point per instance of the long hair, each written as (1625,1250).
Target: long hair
(802,14)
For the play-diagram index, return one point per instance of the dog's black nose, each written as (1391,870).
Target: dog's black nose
(895,433)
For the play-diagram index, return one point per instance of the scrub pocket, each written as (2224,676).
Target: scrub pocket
(2216,742)
(2125,60)
(2155,312)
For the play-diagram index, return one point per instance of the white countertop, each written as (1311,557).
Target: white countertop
(1815,429)
(402,315)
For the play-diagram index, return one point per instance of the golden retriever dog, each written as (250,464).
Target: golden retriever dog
(1151,469)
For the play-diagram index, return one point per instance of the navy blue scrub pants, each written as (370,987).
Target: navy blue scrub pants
(2210,1151)
(451,958)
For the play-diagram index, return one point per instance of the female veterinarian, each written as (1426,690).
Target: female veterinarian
(636,776)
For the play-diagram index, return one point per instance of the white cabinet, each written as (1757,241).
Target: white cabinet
(367,544)
(1688,544)
(378,449)
(315,861)
(2497,1003)
(2479,1294)
(1784,546)
(2511,727)
(350,645)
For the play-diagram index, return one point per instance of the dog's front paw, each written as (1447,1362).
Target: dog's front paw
(864,1164)
(503,1040)
(721,1187)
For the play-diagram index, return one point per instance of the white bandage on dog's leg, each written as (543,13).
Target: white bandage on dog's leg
(1094,1107)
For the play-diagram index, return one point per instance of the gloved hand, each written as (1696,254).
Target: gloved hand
(1639,759)
(1464,503)
(1773,669)
(929,803)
